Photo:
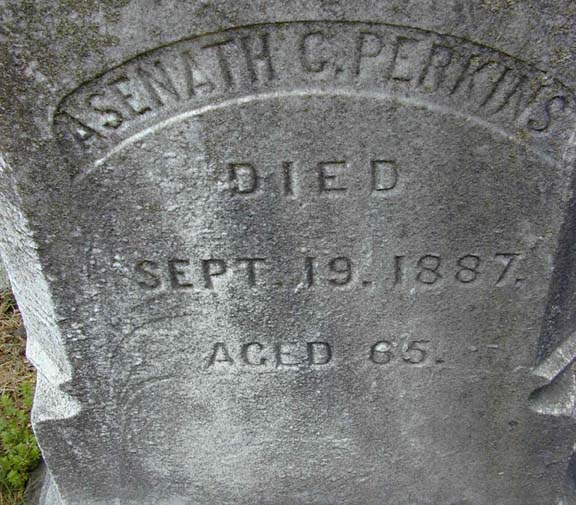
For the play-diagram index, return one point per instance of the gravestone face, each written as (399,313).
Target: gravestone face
(295,252)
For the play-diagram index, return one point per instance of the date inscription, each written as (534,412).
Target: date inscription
(493,270)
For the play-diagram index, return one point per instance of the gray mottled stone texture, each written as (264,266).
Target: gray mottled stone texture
(4,282)
(295,252)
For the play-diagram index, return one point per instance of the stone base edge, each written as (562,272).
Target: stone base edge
(41,489)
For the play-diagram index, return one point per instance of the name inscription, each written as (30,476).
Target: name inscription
(269,60)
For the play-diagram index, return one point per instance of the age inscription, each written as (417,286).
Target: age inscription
(296,355)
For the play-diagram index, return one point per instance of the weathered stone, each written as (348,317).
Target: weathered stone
(300,252)
(4,282)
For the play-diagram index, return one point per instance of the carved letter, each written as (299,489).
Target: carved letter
(327,176)
(319,353)
(149,279)
(307,43)
(177,275)
(243,178)
(220,354)
(254,57)
(368,45)
(208,271)
(384,175)
(246,353)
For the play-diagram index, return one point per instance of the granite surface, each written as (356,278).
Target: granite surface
(300,252)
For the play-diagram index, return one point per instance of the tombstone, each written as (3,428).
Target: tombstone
(301,252)
(4,283)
